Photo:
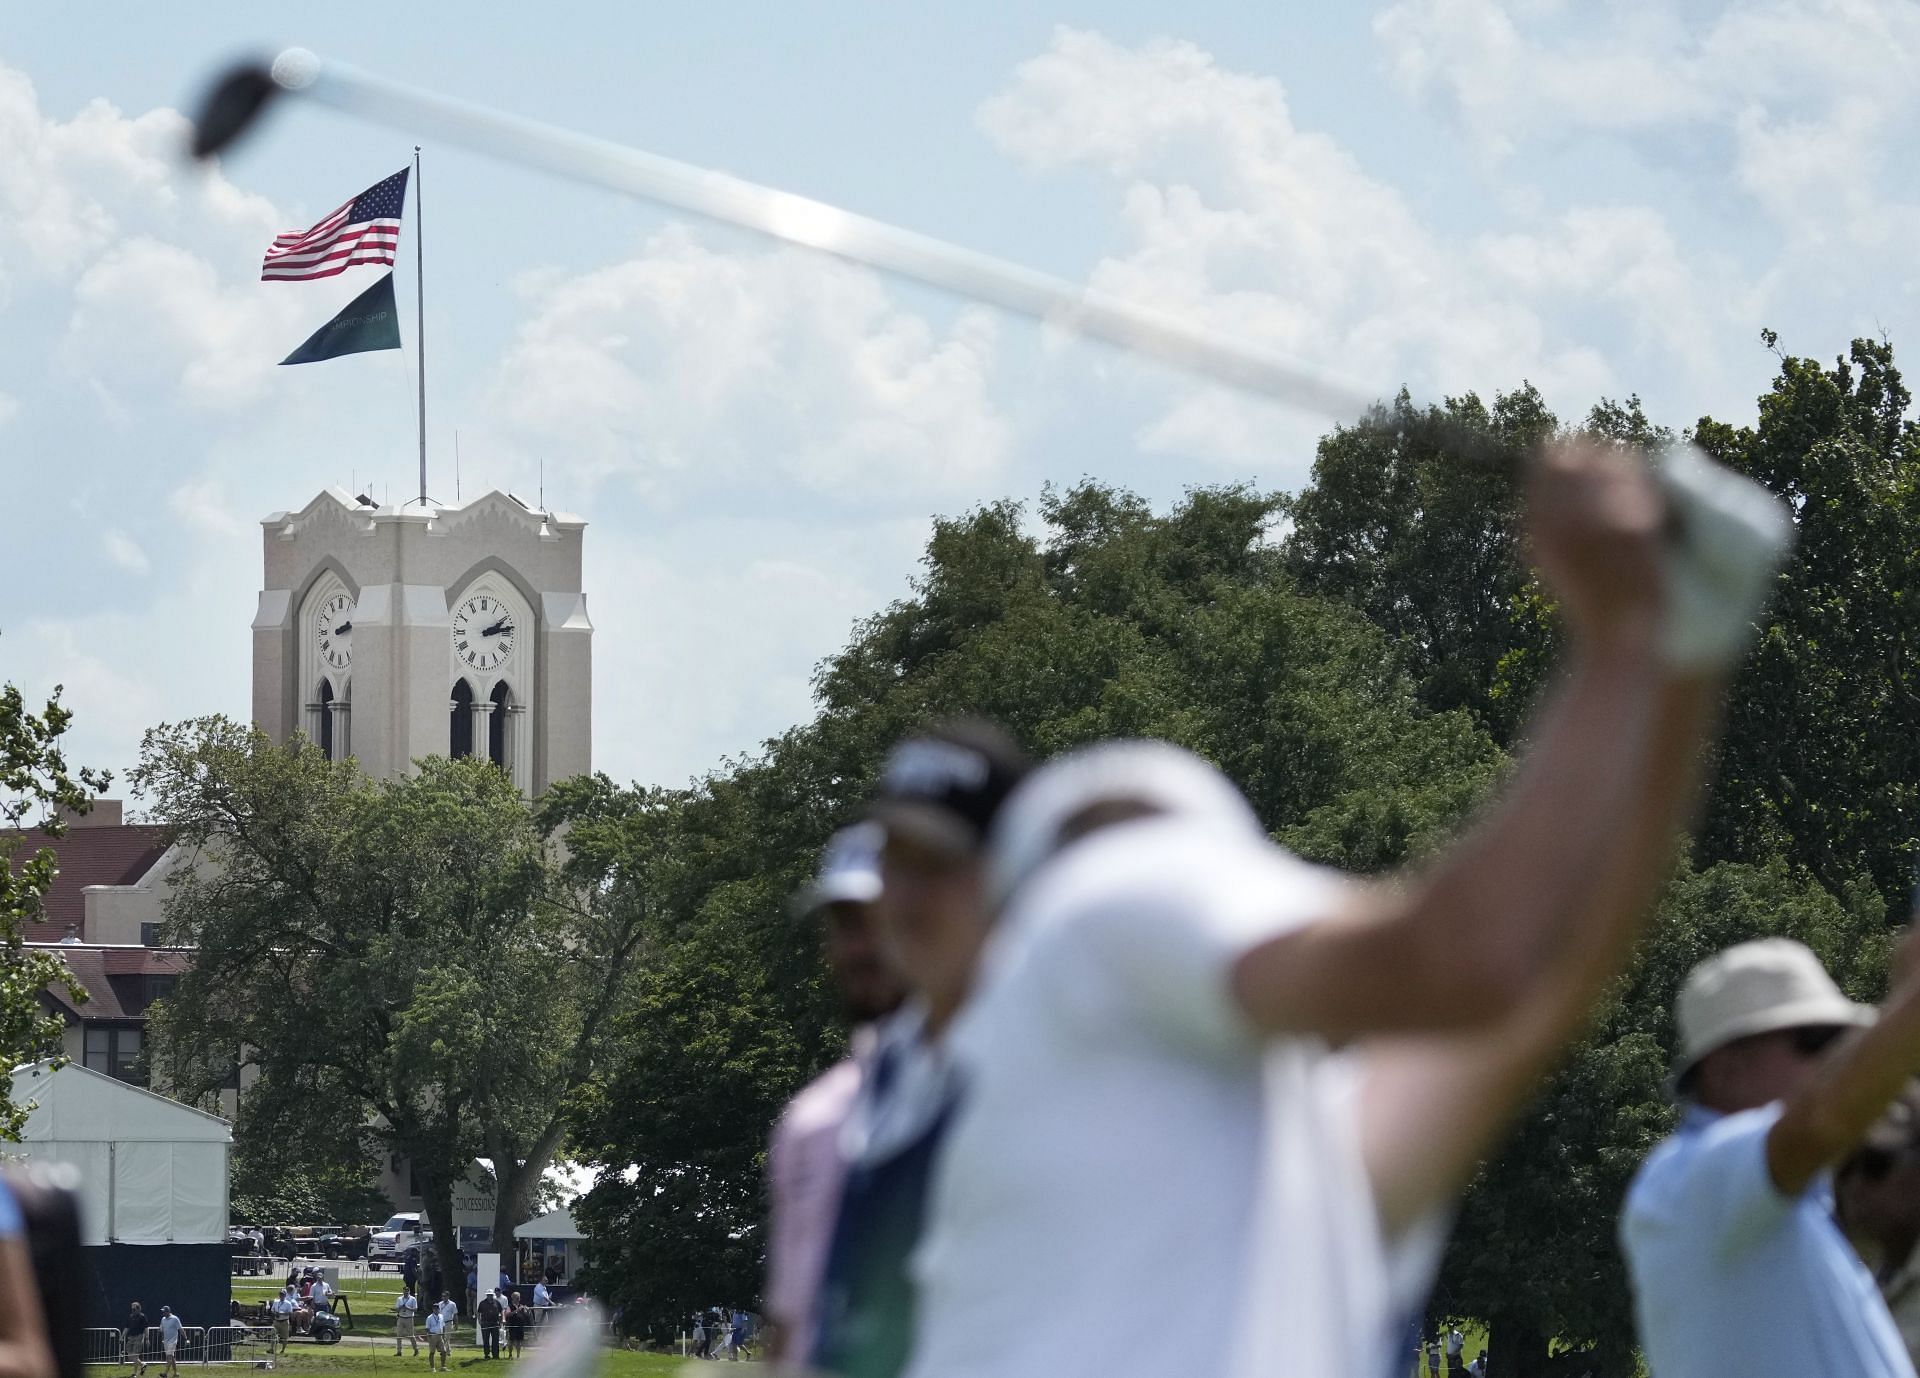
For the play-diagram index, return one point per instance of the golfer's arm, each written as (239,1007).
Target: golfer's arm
(24,1352)
(1857,1080)
(1464,941)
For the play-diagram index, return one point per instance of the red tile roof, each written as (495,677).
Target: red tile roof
(88,856)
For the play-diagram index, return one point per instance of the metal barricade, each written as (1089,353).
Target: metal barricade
(199,1344)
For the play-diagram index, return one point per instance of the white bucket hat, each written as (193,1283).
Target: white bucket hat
(1754,988)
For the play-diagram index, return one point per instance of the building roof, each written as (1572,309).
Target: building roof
(113,977)
(113,855)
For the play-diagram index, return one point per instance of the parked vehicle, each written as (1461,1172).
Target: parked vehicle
(344,1241)
(392,1240)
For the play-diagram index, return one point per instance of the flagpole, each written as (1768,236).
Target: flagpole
(420,318)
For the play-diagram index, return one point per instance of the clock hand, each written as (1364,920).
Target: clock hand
(343,629)
(501,626)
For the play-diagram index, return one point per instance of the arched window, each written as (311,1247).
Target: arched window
(460,728)
(326,718)
(497,728)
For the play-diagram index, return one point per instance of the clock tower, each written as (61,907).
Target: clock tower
(388,634)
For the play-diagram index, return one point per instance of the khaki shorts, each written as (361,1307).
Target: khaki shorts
(437,1344)
(135,1346)
(403,1326)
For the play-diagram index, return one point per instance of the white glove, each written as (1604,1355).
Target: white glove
(1727,538)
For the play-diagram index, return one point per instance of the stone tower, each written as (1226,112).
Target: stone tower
(394,633)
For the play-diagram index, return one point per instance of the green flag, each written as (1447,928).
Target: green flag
(368,322)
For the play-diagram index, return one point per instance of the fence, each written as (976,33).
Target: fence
(217,1344)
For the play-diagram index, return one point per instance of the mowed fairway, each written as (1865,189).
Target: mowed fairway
(364,1361)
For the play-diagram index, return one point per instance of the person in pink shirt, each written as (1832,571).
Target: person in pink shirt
(805,1166)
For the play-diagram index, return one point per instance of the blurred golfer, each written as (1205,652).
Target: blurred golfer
(1154,1119)
(805,1165)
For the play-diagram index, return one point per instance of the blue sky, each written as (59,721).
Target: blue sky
(1450,194)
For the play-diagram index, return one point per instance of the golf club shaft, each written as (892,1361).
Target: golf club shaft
(816,225)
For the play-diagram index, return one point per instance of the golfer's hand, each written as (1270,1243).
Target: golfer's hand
(1594,518)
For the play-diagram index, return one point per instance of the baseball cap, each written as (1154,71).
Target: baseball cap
(1754,988)
(849,870)
(944,786)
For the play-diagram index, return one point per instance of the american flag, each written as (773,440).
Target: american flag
(365,230)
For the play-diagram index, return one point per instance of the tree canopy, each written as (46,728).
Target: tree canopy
(400,962)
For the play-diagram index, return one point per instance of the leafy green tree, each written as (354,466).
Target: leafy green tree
(399,961)
(1822,755)
(36,790)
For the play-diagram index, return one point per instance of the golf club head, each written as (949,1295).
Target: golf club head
(232,106)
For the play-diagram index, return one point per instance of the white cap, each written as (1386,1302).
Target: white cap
(1165,778)
(849,869)
(1754,988)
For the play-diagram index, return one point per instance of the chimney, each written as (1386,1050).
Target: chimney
(105,813)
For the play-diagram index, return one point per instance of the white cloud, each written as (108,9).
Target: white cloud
(686,366)
(125,552)
(1812,102)
(1276,235)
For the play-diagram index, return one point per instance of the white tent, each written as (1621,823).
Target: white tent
(556,1225)
(152,1171)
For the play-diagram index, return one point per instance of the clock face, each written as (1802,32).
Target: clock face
(483,632)
(334,631)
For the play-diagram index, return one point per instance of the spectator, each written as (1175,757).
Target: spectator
(488,1312)
(738,1334)
(170,1340)
(437,1339)
(700,1337)
(133,1339)
(1455,1342)
(1877,1191)
(506,1283)
(542,1299)
(517,1318)
(404,1312)
(473,1288)
(1433,1358)
(806,1168)
(1478,1368)
(410,1265)
(283,1307)
(1728,1232)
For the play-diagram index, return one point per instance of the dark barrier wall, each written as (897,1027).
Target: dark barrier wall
(194,1279)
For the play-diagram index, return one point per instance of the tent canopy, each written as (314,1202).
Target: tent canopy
(152,1171)
(557,1225)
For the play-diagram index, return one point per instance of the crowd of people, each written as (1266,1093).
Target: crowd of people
(722,1331)
(1116,1048)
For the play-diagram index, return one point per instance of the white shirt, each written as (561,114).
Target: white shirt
(541,1297)
(1117,1150)
(1731,1277)
(406,1304)
(436,1322)
(449,1310)
(284,1305)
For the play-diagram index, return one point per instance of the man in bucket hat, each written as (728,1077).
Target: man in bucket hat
(1728,1228)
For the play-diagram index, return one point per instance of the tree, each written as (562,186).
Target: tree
(400,961)
(1838,646)
(1115,621)
(36,790)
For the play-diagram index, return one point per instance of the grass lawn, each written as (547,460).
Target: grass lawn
(365,1361)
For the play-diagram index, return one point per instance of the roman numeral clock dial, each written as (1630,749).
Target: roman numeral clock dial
(333,629)
(483,633)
